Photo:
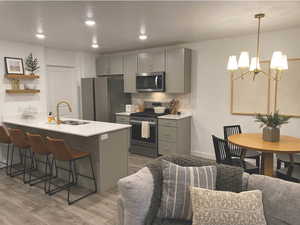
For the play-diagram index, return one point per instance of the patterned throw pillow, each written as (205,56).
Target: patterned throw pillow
(223,208)
(175,202)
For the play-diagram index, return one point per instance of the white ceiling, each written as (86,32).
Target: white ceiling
(119,23)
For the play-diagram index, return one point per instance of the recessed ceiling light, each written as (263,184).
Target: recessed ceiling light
(95,45)
(40,36)
(143,37)
(90,23)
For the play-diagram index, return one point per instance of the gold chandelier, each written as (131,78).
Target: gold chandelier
(243,66)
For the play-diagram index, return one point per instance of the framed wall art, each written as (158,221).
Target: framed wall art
(266,95)
(14,65)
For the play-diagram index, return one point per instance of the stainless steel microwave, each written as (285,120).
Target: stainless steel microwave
(150,82)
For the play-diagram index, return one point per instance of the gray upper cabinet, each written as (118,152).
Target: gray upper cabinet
(116,64)
(178,70)
(151,60)
(103,65)
(109,65)
(175,61)
(130,70)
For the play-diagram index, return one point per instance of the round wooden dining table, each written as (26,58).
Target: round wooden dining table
(253,141)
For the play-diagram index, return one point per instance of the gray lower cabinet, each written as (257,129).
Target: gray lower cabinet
(178,70)
(122,119)
(174,136)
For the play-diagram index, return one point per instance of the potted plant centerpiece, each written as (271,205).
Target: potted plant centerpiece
(271,123)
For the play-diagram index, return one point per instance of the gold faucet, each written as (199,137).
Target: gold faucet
(58,121)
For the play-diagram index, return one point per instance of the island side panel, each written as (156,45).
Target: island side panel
(113,158)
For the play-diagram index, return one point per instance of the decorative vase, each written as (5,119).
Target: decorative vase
(271,134)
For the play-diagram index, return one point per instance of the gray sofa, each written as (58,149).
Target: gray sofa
(140,193)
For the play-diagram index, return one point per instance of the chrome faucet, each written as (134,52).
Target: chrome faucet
(58,121)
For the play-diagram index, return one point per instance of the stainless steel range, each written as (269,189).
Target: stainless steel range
(140,145)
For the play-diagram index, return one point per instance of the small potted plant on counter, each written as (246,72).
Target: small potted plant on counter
(272,123)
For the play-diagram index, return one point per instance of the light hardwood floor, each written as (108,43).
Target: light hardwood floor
(24,205)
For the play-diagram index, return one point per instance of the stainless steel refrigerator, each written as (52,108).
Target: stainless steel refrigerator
(102,97)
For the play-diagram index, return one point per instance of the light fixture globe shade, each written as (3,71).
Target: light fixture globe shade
(276,61)
(254,65)
(143,37)
(244,60)
(232,63)
(90,22)
(284,63)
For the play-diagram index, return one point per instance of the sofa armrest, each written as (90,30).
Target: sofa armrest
(245,180)
(120,208)
(280,198)
(136,193)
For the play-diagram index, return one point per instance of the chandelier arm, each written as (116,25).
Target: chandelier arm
(269,75)
(278,75)
(242,75)
(258,42)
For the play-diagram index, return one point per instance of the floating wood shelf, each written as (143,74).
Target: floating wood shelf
(25,91)
(19,77)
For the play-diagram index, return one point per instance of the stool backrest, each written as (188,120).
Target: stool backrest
(37,143)
(59,149)
(18,138)
(4,137)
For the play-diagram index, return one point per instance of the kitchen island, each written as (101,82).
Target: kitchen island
(108,144)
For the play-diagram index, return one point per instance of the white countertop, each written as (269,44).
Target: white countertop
(169,116)
(91,129)
(175,117)
(123,113)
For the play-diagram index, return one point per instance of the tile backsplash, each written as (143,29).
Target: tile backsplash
(184,99)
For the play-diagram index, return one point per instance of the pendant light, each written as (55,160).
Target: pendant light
(245,66)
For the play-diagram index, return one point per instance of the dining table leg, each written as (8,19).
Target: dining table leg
(268,164)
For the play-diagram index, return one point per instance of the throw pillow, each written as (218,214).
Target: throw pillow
(224,208)
(136,193)
(175,201)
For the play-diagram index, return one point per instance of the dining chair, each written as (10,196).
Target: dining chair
(291,169)
(224,156)
(238,151)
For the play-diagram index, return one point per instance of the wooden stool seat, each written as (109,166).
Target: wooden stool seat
(77,154)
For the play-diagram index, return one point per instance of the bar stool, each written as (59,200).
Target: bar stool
(62,152)
(39,148)
(5,140)
(19,140)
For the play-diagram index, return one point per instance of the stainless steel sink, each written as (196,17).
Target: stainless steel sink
(74,122)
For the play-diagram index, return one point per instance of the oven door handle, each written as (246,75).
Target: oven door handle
(140,122)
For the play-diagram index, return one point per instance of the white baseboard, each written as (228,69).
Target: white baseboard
(203,155)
